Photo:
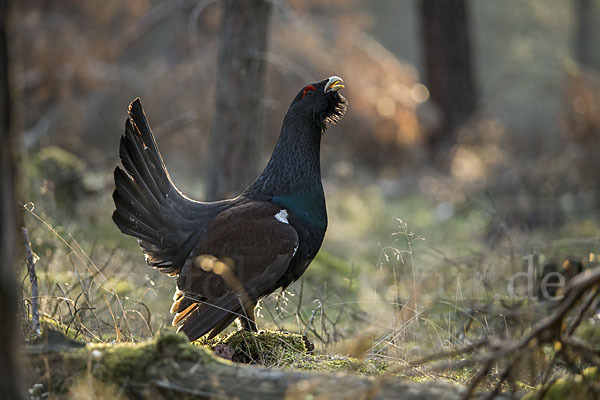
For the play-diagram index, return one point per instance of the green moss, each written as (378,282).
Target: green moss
(266,348)
(580,386)
(374,367)
(124,364)
(46,322)
(340,364)
(288,350)
(49,324)
(127,362)
(326,363)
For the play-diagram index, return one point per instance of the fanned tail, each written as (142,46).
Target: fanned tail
(148,205)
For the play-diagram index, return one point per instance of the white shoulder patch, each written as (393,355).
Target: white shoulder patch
(281,216)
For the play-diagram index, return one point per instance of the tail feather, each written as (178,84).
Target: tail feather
(131,218)
(212,317)
(124,224)
(136,163)
(137,113)
(148,205)
(129,195)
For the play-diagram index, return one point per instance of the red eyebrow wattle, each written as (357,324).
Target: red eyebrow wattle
(306,89)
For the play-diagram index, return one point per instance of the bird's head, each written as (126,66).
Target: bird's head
(320,102)
(294,166)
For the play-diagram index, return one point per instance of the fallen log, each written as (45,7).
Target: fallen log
(170,367)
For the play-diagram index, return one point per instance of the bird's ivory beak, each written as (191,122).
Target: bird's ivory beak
(334,84)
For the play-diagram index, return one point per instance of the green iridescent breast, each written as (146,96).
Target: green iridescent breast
(309,206)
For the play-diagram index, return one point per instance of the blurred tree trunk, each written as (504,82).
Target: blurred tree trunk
(238,123)
(584,20)
(445,32)
(9,380)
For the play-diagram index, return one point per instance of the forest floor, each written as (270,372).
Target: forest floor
(416,282)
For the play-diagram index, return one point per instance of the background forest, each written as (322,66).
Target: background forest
(469,154)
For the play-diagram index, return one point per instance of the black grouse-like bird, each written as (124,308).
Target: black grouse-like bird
(229,254)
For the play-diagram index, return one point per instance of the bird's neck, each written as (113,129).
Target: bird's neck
(294,166)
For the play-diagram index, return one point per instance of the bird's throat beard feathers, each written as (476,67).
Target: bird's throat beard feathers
(334,111)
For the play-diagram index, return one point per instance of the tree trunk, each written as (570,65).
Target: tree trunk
(9,380)
(448,67)
(584,17)
(238,123)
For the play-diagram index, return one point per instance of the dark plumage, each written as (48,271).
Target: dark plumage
(231,253)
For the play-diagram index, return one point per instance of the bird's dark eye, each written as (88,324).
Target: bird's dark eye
(310,89)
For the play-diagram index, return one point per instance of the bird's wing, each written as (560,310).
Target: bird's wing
(148,205)
(239,259)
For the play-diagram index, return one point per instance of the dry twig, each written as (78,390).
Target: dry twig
(35,313)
